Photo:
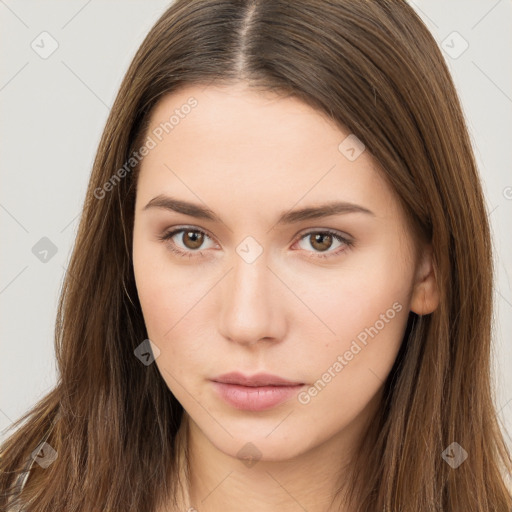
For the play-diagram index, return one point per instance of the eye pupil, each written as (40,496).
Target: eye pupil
(321,237)
(194,238)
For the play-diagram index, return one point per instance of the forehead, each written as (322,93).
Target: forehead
(255,148)
(245,116)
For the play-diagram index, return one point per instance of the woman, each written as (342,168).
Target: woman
(280,293)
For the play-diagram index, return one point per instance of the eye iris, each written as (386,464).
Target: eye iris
(193,239)
(321,237)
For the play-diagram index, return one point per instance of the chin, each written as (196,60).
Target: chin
(252,447)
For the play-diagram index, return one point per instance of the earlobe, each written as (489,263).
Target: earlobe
(425,296)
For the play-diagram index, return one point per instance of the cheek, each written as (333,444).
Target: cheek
(364,309)
(347,373)
(352,296)
(163,288)
(164,306)
(172,299)
(149,280)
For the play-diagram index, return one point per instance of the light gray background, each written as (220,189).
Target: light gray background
(53,111)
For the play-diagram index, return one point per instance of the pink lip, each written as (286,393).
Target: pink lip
(259,379)
(256,393)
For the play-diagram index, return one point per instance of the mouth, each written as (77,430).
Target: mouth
(255,393)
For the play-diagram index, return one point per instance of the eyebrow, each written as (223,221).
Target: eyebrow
(286,217)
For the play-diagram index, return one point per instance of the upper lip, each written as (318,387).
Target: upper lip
(259,379)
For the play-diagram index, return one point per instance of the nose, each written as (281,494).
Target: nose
(252,304)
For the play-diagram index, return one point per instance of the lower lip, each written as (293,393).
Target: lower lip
(255,398)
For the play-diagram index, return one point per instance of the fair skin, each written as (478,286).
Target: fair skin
(248,157)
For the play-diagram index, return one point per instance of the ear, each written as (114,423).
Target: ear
(425,295)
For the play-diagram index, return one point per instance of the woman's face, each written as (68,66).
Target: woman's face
(257,282)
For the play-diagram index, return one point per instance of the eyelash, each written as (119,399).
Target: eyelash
(166,237)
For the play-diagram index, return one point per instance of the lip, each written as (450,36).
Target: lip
(258,379)
(254,393)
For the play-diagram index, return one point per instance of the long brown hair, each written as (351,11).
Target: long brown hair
(374,68)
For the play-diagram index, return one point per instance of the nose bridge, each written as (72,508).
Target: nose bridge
(250,309)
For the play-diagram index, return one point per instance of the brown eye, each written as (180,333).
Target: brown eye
(321,241)
(192,239)
(186,242)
